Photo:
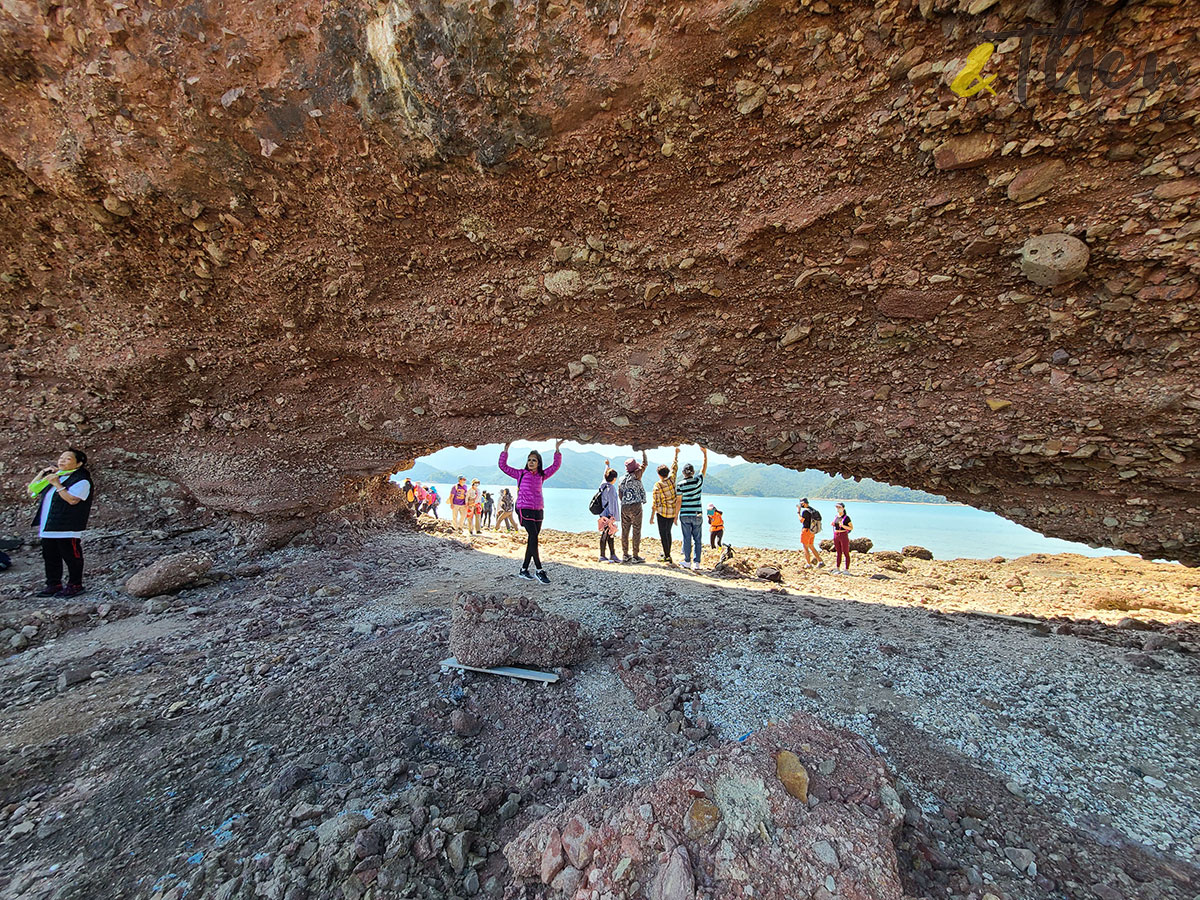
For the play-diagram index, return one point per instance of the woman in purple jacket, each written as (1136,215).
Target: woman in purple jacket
(530,506)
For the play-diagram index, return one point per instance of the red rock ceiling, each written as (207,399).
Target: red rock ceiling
(254,253)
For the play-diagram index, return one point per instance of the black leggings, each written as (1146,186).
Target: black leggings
(531,519)
(56,551)
(606,540)
(664,531)
(715,537)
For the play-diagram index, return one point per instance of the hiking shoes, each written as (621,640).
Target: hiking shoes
(541,576)
(49,590)
(638,559)
(524,573)
(70,590)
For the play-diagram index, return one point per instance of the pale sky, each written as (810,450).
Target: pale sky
(488,452)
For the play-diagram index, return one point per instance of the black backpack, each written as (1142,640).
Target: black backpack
(814,523)
(597,505)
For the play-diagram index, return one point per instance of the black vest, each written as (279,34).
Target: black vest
(66,516)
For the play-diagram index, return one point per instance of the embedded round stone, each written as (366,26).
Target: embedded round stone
(1053,259)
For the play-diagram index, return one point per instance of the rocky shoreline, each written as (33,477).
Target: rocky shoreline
(282,727)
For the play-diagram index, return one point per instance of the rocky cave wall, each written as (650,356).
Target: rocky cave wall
(255,254)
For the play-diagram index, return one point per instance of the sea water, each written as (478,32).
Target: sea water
(948,530)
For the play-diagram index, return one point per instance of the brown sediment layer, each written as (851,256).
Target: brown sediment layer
(257,254)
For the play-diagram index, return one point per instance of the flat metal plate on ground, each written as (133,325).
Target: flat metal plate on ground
(1003,619)
(511,671)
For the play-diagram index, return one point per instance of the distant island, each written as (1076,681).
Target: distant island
(584,470)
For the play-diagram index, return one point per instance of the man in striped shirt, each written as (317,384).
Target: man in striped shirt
(691,516)
(665,505)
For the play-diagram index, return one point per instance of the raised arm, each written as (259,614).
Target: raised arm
(505,467)
(704,467)
(554,465)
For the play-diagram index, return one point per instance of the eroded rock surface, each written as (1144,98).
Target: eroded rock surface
(798,809)
(239,241)
(513,631)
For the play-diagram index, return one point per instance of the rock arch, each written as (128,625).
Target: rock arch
(253,252)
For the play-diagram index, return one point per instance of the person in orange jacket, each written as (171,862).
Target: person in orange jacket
(716,527)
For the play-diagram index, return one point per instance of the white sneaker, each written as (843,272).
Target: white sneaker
(695,567)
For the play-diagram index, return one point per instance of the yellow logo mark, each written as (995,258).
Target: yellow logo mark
(969,81)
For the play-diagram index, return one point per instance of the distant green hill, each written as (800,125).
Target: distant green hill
(586,470)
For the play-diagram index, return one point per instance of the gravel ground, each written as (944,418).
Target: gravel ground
(1062,719)
(1059,719)
(206,749)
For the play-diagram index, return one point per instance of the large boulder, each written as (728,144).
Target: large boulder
(169,574)
(769,572)
(858,545)
(490,631)
(757,814)
(917,552)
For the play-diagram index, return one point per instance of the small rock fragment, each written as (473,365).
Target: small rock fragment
(793,775)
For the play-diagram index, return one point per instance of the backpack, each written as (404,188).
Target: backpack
(597,505)
(632,491)
(814,523)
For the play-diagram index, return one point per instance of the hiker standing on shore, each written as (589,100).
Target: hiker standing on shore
(716,527)
(530,506)
(64,493)
(488,504)
(433,502)
(631,494)
(610,514)
(842,526)
(474,508)
(458,503)
(691,519)
(810,522)
(506,511)
(666,506)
